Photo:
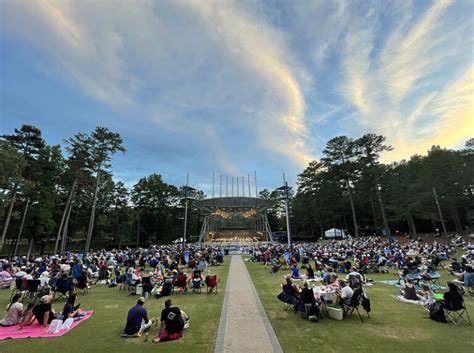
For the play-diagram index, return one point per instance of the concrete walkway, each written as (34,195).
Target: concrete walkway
(244,325)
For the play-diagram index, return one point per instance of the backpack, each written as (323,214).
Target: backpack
(437,313)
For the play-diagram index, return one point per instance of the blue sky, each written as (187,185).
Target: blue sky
(238,86)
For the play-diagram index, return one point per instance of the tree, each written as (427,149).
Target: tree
(103,144)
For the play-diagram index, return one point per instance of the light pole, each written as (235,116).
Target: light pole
(187,189)
(285,190)
(384,216)
(354,218)
(439,211)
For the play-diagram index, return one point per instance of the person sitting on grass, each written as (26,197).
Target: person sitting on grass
(28,317)
(172,323)
(295,272)
(137,320)
(14,311)
(69,309)
(309,272)
(44,312)
(426,295)
(408,291)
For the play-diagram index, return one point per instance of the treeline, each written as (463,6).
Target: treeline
(55,200)
(350,188)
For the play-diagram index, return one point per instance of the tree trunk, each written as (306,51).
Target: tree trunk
(373,212)
(322,230)
(61,224)
(21,228)
(65,230)
(457,221)
(138,230)
(30,248)
(92,217)
(413,226)
(7,219)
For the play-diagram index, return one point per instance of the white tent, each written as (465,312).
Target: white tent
(334,233)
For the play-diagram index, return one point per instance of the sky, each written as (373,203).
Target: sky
(233,87)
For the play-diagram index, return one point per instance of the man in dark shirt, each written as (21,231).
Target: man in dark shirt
(172,323)
(137,319)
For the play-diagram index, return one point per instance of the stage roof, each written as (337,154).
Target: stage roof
(234,205)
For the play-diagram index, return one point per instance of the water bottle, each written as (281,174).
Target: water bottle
(146,336)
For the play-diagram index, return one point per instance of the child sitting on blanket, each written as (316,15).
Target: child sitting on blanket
(426,295)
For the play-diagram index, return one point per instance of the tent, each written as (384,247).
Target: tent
(334,233)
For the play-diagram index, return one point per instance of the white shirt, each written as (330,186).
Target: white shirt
(13,315)
(346,292)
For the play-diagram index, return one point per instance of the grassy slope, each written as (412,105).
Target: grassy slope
(393,326)
(101,333)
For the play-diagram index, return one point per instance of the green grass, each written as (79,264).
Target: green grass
(393,326)
(101,333)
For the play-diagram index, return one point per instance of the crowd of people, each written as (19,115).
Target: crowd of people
(157,270)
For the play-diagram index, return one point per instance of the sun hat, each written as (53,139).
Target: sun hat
(45,299)
(141,299)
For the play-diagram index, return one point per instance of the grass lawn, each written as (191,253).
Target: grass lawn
(393,326)
(101,333)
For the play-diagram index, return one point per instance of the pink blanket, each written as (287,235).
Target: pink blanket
(35,330)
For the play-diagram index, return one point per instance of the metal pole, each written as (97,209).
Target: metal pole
(243,186)
(439,211)
(384,216)
(288,234)
(354,219)
(226,186)
(248,180)
(256,192)
(186,211)
(237,180)
(220,187)
(212,184)
(21,227)
(232,187)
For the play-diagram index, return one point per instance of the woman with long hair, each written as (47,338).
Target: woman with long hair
(14,311)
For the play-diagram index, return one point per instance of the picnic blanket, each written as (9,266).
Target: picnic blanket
(35,330)
(398,285)
(403,300)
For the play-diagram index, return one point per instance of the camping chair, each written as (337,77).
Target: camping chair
(197,284)
(20,286)
(432,279)
(415,278)
(458,316)
(211,283)
(354,303)
(32,286)
(63,288)
(81,284)
(129,285)
(180,285)
(147,286)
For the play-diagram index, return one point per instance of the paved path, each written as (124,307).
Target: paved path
(244,325)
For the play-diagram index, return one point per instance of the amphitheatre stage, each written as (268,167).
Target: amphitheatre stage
(235,219)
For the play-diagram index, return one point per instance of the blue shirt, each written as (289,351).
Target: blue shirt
(295,272)
(134,319)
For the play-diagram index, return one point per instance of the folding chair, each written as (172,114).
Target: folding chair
(20,286)
(356,300)
(63,288)
(197,284)
(459,316)
(432,279)
(180,285)
(32,286)
(81,284)
(211,283)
